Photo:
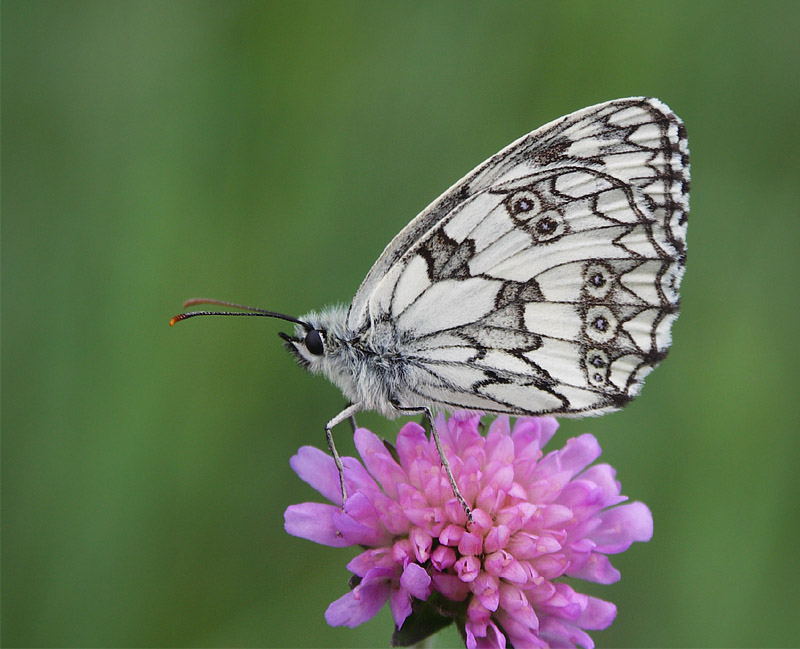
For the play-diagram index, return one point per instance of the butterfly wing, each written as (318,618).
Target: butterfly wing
(546,280)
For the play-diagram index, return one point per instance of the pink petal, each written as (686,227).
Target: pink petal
(478,614)
(400,605)
(502,564)
(468,568)
(554,516)
(318,470)
(379,461)
(461,432)
(579,453)
(499,446)
(455,512)
(470,544)
(501,425)
(443,557)
(402,552)
(359,523)
(412,444)
(451,535)
(514,603)
(416,581)
(356,477)
(503,478)
(315,522)
(550,566)
(362,508)
(487,589)
(514,572)
(422,543)
(436,488)
(523,546)
(490,636)
(559,633)
(496,539)
(519,633)
(360,604)
(481,521)
(598,614)
(604,476)
(370,559)
(494,637)
(451,586)
(431,519)
(582,497)
(540,428)
(598,569)
(548,428)
(564,602)
(622,526)
(390,514)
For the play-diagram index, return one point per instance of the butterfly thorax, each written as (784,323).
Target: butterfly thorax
(366,366)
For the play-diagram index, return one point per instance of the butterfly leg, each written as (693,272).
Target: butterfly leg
(442,457)
(347,413)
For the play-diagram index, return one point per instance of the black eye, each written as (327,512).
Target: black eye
(313,342)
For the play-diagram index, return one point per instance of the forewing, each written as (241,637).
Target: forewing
(547,279)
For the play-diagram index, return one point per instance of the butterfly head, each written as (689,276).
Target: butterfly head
(317,338)
(307,345)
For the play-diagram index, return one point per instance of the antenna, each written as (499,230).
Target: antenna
(248,311)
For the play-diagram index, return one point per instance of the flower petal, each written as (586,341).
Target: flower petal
(622,526)
(604,476)
(520,634)
(487,589)
(400,605)
(451,586)
(412,444)
(443,557)
(579,453)
(368,560)
(379,461)
(597,568)
(416,580)
(315,522)
(356,477)
(360,604)
(598,614)
(541,429)
(422,543)
(318,469)
(468,568)
(359,523)
(559,633)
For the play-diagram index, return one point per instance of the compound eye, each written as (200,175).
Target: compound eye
(314,342)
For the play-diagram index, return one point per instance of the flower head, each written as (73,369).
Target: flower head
(536,518)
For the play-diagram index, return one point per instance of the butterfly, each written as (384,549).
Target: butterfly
(543,282)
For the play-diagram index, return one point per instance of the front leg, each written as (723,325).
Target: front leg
(347,413)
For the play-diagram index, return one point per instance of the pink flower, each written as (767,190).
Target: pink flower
(536,518)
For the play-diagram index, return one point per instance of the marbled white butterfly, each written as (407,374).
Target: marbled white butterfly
(543,282)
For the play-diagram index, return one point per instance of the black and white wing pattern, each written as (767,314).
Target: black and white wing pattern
(546,280)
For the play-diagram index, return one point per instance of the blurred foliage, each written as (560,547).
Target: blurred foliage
(265,153)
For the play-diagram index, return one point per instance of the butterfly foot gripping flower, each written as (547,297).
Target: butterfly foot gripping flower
(536,519)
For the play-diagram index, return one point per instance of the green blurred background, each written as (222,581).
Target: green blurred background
(265,153)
